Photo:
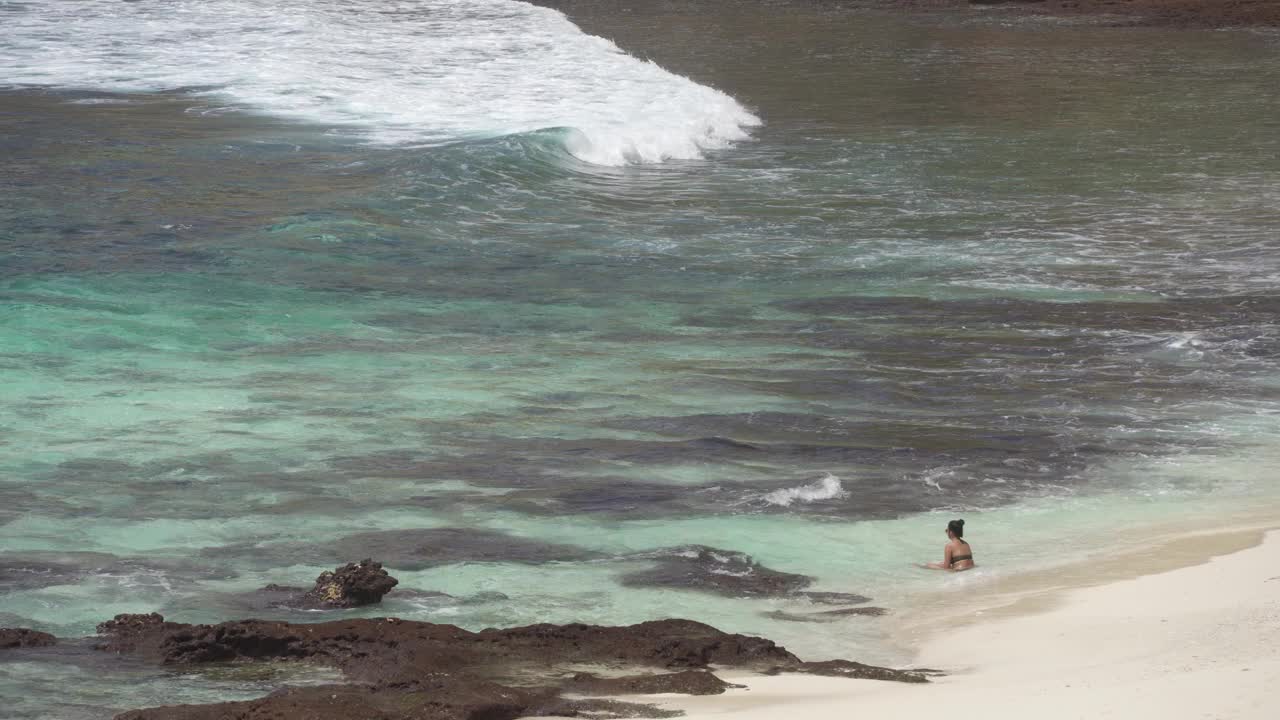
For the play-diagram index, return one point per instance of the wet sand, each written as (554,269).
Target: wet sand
(1200,641)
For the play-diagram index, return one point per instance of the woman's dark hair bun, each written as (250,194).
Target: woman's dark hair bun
(960,523)
(957,527)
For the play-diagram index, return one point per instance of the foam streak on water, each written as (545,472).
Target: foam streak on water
(411,71)
(826,488)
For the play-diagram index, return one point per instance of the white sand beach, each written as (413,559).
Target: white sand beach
(1200,641)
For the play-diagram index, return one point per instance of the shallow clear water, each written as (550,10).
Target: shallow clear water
(1019,272)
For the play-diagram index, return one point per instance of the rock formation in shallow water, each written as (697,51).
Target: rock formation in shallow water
(352,585)
(11,638)
(427,671)
(685,682)
(449,699)
(123,633)
(439,700)
(370,649)
(855,670)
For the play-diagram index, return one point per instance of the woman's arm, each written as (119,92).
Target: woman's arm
(946,560)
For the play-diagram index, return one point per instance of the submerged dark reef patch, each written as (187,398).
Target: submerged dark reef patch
(406,549)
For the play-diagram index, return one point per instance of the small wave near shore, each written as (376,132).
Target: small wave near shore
(828,487)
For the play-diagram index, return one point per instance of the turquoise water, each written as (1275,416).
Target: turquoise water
(1018,273)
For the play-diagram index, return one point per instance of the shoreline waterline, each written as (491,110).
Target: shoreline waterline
(1133,637)
(1136,552)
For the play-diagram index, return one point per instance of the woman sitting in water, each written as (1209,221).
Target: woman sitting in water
(957,555)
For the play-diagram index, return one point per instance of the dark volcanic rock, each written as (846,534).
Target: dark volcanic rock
(352,585)
(443,700)
(269,600)
(658,643)
(134,632)
(11,638)
(441,672)
(723,572)
(374,649)
(604,709)
(855,670)
(273,596)
(688,682)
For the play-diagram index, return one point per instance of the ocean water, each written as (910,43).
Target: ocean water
(523,311)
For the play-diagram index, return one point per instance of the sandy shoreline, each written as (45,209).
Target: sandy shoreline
(1200,641)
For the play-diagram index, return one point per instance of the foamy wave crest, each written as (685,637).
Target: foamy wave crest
(406,71)
(827,488)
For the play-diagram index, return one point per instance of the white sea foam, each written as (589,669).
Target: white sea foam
(397,71)
(826,488)
(1186,341)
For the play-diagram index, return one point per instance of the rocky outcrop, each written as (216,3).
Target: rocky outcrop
(133,633)
(452,699)
(440,700)
(11,638)
(374,649)
(349,586)
(420,670)
(352,585)
(686,682)
(854,670)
